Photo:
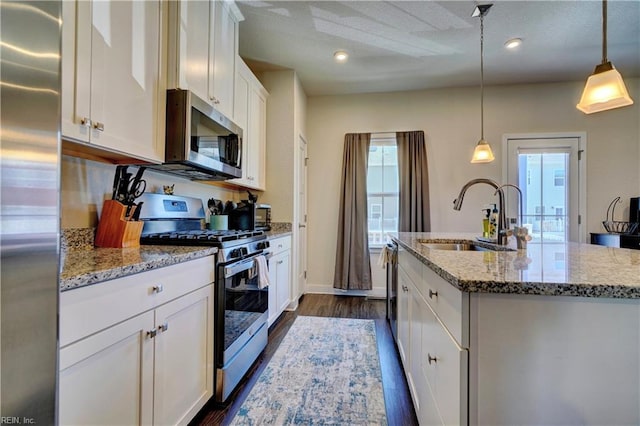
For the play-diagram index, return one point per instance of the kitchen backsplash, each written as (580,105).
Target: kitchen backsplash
(86,184)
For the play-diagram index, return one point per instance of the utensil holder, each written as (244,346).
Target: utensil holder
(219,222)
(114,230)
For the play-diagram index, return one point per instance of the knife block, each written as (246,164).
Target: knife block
(114,230)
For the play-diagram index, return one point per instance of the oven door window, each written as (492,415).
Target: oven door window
(245,303)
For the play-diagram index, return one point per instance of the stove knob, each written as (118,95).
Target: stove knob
(263,245)
(236,253)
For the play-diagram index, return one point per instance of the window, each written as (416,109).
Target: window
(382,189)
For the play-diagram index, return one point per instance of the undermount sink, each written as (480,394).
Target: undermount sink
(455,247)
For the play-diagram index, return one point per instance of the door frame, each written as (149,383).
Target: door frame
(582,168)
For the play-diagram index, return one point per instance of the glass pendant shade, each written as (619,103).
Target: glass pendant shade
(604,90)
(482,153)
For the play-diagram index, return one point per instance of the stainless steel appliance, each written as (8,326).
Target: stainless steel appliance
(29,212)
(201,143)
(241,303)
(392,287)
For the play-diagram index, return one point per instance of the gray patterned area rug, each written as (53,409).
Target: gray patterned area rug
(326,371)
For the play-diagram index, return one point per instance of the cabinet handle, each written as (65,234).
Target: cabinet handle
(431,358)
(302,225)
(157,288)
(280,262)
(250,178)
(152,333)
(405,288)
(163,327)
(85,121)
(432,294)
(98,126)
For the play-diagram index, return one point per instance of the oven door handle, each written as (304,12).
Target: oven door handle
(232,270)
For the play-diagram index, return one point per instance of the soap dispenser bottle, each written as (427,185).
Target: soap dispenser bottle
(485,222)
(493,223)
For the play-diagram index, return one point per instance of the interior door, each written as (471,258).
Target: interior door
(301,243)
(547,172)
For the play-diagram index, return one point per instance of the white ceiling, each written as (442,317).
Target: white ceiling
(411,45)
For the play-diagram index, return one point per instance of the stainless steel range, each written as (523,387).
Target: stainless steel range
(241,299)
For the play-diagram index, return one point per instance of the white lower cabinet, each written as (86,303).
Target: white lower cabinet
(504,359)
(435,364)
(107,378)
(279,277)
(183,379)
(153,368)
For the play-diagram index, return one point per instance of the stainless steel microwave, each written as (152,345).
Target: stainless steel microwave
(201,143)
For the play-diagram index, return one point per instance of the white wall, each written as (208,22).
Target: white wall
(451,121)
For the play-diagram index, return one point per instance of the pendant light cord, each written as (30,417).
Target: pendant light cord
(482,76)
(604,31)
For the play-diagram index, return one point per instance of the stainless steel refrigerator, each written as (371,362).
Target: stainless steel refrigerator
(30,209)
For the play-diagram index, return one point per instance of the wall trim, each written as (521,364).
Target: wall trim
(375,293)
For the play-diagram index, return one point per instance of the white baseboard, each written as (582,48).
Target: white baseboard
(375,293)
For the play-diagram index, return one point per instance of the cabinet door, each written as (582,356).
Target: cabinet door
(184,357)
(257,129)
(76,71)
(451,378)
(416,320)
(241,118)
(223,59)
(403,317)
(194,39)
(107,378)
(282,265)
(273,290)
(126,91)
(429,413)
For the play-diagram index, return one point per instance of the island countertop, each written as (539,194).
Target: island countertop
(557,269)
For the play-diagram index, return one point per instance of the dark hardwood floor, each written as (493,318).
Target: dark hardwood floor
(396,392)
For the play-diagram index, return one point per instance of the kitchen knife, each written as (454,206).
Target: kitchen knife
(116,183)
(136,212)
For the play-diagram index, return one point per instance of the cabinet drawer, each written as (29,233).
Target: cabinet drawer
(411,265)
(280,244)
(87,310)
(446,301)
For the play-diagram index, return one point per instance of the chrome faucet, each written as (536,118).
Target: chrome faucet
(519,199)
(501,237)
(520,231)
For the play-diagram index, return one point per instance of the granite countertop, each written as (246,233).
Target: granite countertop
(277,233)
(557,269)
(85,266)
(82,264)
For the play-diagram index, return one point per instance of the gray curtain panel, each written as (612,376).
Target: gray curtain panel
(415,214)
(353,268)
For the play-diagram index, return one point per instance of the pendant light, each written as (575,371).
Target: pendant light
(482,153)
(605,88)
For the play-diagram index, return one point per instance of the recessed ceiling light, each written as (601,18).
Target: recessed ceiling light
(513,43)
(340,56)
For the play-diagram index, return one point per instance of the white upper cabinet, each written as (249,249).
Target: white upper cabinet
(250,113)
(203,44)
(113,78)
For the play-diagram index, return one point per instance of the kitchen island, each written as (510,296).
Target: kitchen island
(546,335)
